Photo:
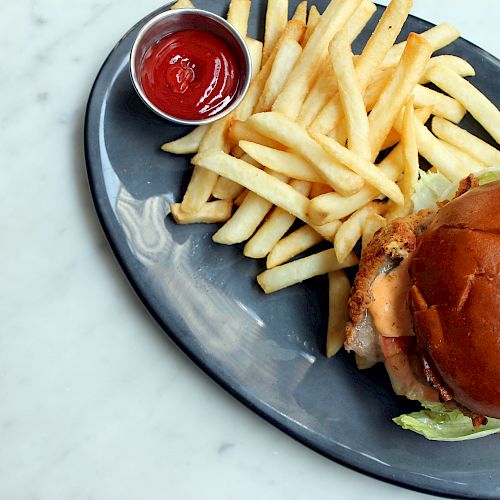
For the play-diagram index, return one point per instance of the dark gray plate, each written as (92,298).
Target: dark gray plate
(266,350)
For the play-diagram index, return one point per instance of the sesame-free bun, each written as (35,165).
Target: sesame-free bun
(455,298)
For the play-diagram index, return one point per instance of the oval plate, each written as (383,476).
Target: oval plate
(268,351)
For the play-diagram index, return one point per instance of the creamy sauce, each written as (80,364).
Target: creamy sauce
(389,310)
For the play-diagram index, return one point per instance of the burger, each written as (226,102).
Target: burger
(426,303)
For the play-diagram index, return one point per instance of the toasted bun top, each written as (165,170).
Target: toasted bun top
(456,297)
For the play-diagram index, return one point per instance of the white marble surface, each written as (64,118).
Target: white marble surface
(95,402)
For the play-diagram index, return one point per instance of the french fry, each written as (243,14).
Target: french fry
(371,224)
(300,270)
(369,61)
(187,144)
(421,114)
(292,135)
(438,36)
(285,60)
(243,131)
(300,13)
(276,20)
(258,181)
(247,218)
(300,81)
(203,181)
(274,228)
(332,206)
(210,212)
(413,63)
(410,156)
(326,84)
(352,229)
(318,188)
(240,198)
(469,164)
(476,103)
(328,230)
(238,14)
(294,30)
(465,141)
(312,20)
(183,4)
(290,246)
(287,163)
(443,105)
(457,64)
(431,148)
(350,94)
(226,189)
(368,171)
(339,290)
(255,48)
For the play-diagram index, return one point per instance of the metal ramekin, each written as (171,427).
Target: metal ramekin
(172,21)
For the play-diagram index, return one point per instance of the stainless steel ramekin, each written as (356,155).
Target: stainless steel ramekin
(172,21)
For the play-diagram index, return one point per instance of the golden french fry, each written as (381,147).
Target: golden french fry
(292,135)
(443,105)
(300,270)
(203,181)
(421,114)
(372,223)
(312,20)
(332,206)
(302,76)
(339,291)
(292,245)
(300,13)
(243,131)
(183,4)
(238,14)
(318,188)
(413,63)
(255,48)
(367,170)
(294,30)
(247,218)
(432,149)
(274,228)
(276,20)
(328,230)
(285,60)
(438,36)
(326,83)
(469,164)
(210,212)
(457,64)
(476,103)
(256,180)
(410,156)
(226,189)
(287,163)
(352,229)
(465,141)
(187,144)
(350,94)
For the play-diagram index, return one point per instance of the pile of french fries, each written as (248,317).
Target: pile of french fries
(305,142)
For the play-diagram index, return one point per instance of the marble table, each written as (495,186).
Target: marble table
(95,402)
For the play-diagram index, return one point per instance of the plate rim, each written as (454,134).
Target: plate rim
(103,208)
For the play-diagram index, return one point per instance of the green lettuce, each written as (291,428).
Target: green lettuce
(438,423)
(433,187)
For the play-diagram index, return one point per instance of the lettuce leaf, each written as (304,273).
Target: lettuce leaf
(438,423)
(433,187)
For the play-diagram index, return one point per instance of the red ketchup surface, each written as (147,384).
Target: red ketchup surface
(190,74)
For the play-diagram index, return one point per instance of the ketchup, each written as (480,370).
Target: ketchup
(190,74)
